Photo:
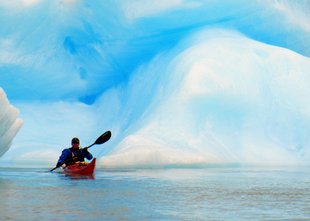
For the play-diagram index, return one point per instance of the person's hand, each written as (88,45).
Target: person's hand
(63,166)
(85,149)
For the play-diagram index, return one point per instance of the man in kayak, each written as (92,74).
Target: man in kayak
(73,154)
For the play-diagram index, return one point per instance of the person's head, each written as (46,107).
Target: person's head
(75,142)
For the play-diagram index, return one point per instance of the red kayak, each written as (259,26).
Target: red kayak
(84,169)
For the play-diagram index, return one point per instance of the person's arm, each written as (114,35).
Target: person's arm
(87,154)
(63,158)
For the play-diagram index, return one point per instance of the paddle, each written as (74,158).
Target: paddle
(100,140)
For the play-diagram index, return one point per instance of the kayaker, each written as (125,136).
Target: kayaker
(73,154)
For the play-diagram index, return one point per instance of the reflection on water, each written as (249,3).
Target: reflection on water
(80,177)
(168,194)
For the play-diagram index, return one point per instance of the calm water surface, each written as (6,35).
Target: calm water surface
(243,193)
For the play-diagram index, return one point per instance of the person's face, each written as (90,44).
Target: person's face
(75,145)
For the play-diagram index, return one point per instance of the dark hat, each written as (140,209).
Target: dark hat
(75,140)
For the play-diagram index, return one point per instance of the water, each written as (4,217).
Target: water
(215,193)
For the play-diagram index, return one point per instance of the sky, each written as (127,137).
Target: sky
(179,83)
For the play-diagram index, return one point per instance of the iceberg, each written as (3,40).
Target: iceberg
(179,83)
(222,98)
(9,123)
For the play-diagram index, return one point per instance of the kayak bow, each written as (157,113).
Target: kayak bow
(81,169)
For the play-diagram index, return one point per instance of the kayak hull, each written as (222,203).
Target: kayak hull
(81,170)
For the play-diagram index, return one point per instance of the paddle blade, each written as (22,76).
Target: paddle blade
(53,169)
(104,137)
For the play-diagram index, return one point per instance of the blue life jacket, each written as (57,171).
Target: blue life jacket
(70,156)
